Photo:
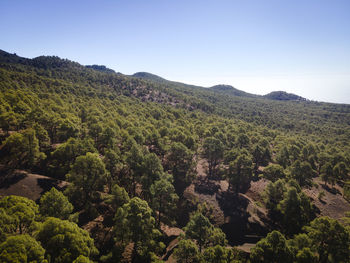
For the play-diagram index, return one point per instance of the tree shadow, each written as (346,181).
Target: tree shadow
(47,183)
(238,228)
(207,187)
(8,178)
(331,190)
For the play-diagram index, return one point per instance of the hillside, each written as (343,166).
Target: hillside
(149,76)
(101,68)
(277,110)
(282,95)
(151,170)
(229,90)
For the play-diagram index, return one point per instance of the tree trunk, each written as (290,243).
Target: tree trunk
(159,209)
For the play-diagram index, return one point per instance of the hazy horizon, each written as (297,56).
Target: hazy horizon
(295,46)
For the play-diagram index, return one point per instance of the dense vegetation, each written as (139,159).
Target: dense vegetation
(128,147)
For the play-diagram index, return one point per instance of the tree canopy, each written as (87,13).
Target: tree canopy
(55,204)
(64,241)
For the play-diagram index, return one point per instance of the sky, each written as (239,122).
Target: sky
(298,46)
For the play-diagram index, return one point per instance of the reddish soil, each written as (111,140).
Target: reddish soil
(171,231)
(332,203)
(243,221)
(256,190)
(202,167)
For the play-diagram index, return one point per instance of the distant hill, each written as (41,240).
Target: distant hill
(227,89)
(101,68)
(282,95)
(221,89)
(149,76)
(11,58)
(46,62)
(278,110)
(42,62)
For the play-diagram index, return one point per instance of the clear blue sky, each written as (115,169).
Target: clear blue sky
(300,46)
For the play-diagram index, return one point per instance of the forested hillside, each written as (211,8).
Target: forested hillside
(97,166)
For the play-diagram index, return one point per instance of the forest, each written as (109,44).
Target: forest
(98,166)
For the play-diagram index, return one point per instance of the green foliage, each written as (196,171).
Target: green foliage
(288,205)
(134,223)
(296,210)
(8,120)
(64,241)
(21,249)
(21,149)
(42,136)
(330,239)
(21,210)
(243,141)
(273,172)
(119,197)
(114,165)
(261,155)
(134,160)
(213,151)
(272,249)
(200,229)
(55,204)
(283,157)
(82,259)
(325,240)
(7,224)
(164,199)
(274,194)
(64,156)
(302,172)
(305,255)
(218,254)
(327,173)
(138,126)
(152,170)
(87,177)
(240,172)
(341,171)
(301,246)
(180,162)
(187,252)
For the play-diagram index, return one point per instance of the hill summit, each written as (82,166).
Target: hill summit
(282,95)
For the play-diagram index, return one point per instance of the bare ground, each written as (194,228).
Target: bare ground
(26,184)
(243,221)
(332,204)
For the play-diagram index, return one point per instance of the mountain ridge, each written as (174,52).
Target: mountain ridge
(225,89)
(56,62)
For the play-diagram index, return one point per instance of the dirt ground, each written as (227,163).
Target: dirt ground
(332,203)
(27,184)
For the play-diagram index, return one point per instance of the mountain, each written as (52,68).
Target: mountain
(11,58)
(149,76)
(56,62)
(229,90)
(101,68)
(223,100)
(222,89)
(157,79)
(282,95)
